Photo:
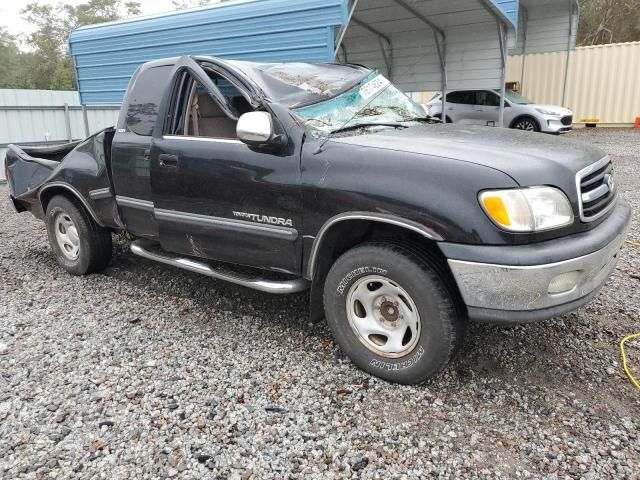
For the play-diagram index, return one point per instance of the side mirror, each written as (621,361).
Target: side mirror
(255,128)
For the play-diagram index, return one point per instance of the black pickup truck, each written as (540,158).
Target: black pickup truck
(288,177)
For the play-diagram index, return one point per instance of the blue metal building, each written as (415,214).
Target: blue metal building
(106,55)
(419,44)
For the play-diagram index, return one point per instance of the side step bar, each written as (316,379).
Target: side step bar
(149,249)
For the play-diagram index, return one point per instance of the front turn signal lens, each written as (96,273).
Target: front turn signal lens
(494,206)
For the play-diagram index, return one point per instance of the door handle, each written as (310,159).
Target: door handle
(168,160)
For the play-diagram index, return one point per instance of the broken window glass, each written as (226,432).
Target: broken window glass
(374,101)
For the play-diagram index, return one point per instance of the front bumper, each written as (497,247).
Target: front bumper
(555,124)
(518,291)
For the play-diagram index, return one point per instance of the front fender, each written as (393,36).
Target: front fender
(438,194)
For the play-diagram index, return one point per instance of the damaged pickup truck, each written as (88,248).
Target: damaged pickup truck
(328,178)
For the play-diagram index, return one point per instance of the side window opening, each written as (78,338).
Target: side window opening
(144,99)
(461,97)
(486,98)
(454,97)
(198,114)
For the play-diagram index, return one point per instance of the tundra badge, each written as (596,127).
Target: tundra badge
(254,217)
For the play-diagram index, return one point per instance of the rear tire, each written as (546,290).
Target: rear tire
(394,311)
(80,245)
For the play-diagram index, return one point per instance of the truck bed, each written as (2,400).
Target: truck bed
(80,164)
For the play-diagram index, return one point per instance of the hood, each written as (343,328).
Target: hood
(552,108)
(529,158)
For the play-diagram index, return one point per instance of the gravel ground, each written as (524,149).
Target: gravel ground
(145,371)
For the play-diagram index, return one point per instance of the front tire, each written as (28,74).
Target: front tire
(439,117)
(79,244)
(528,124)
(394,311)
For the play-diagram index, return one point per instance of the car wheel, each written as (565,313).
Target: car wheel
(439,117)
(79,244)
(394,311)
(526,123)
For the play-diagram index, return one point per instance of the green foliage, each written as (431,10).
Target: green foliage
(609,21)
(182,4)
(9,59)
(47,64)
(62,77)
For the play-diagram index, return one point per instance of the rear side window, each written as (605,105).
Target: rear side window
(144,99)
(486,98)
(465,98)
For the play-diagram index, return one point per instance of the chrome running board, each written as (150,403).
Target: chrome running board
(143,248)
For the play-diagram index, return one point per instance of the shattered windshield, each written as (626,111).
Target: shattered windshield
(374,101)
(298,84)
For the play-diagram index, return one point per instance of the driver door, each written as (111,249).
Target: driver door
(216,197)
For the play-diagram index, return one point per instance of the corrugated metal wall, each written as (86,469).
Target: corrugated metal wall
(472,49)
(547,28)
(39,117)
(262,30)
(602,81)
(37,97)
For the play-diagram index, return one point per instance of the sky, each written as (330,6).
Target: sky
(10,11)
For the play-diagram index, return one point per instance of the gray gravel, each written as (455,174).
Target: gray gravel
(150,372)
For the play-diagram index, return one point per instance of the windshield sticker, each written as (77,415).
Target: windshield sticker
(376,85)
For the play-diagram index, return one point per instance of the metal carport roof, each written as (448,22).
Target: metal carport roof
(451,44)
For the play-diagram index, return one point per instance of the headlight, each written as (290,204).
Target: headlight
(527,209)
(546,111)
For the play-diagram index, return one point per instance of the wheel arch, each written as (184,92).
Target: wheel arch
(50,190)
(345,231)
(525,115)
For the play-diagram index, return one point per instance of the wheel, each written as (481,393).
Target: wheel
(526,123)
(79,244)
(439,117)
(394,311)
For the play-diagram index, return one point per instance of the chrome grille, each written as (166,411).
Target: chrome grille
(596,190)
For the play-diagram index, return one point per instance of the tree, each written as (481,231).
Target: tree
(8,59)
(53,67)
(98,11)
(16,65)
(609,21)
(182,4)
